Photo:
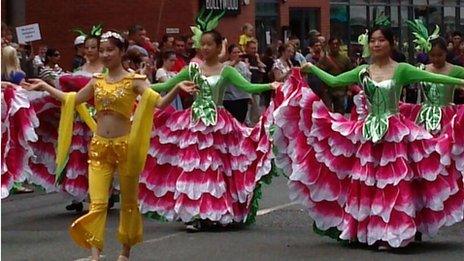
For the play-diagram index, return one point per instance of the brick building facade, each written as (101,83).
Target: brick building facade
(57,19)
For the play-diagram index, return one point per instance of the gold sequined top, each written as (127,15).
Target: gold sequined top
(117,96)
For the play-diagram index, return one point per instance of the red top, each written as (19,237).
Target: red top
(179,64)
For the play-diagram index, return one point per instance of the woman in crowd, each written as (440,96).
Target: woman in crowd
(283,66)
(51,70)
(165,73)
(235,100)
(377,179)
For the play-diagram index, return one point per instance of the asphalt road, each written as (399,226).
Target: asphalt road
(34,227)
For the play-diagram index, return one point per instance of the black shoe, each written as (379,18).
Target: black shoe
(193,226)
(113,199)
(78,207)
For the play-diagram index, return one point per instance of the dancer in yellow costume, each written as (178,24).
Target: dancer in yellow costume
(118,144)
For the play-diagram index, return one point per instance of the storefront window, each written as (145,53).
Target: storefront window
(435,16)
(339,22)
(358,21)
(267,29)
(448,14)
(374,12)
(449,19)
(461,21)
(437,2)
(405,42)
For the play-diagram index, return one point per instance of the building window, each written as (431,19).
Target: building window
(448,14)
(266,22)
(358,21)
(339,22)
(449,19)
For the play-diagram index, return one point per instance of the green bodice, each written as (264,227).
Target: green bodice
(435,96)
(382,102)
(212,89)
(383,97)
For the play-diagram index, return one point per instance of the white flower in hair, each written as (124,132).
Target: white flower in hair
(109,34)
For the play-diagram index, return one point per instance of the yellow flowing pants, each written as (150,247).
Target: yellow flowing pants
(106,155)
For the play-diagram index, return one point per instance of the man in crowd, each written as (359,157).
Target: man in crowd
(299,59)
(257,69)
(179,49)
(138,40)
(335,63)
(315,52)
(79,58)
(455,53)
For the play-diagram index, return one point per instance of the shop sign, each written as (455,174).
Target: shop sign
(232,7)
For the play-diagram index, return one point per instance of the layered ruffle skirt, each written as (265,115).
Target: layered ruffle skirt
(18,133)
(357,190)
(75,180)
(194,171)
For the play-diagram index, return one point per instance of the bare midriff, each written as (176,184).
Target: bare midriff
(111,124)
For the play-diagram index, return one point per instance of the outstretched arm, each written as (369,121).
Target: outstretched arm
(236,79)
(343,79)
(458,72)
(407,74)
(83,95)
(169,84)
(141,86)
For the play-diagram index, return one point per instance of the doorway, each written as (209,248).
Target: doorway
(302,20)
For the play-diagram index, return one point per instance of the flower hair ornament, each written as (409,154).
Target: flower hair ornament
(382,20)
(96,31)
(363,39)
(204,23)
(420,32)
(112,34)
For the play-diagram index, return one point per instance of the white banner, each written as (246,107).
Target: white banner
(28,33)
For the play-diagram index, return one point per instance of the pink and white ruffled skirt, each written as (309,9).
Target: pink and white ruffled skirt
(195,171)
(18,133)
(367,192)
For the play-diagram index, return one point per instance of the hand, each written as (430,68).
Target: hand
(34,84)
(306,66)
(275,85)
(188,87)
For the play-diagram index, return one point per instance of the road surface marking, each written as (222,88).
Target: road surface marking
(269,210)
(163,237)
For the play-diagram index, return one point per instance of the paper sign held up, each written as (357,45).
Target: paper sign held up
(28,33)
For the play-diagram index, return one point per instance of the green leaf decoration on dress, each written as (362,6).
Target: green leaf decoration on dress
(430,114)
(376,124)
(421,35)
(203,108)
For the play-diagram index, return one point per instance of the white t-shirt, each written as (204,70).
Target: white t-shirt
(161,72)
